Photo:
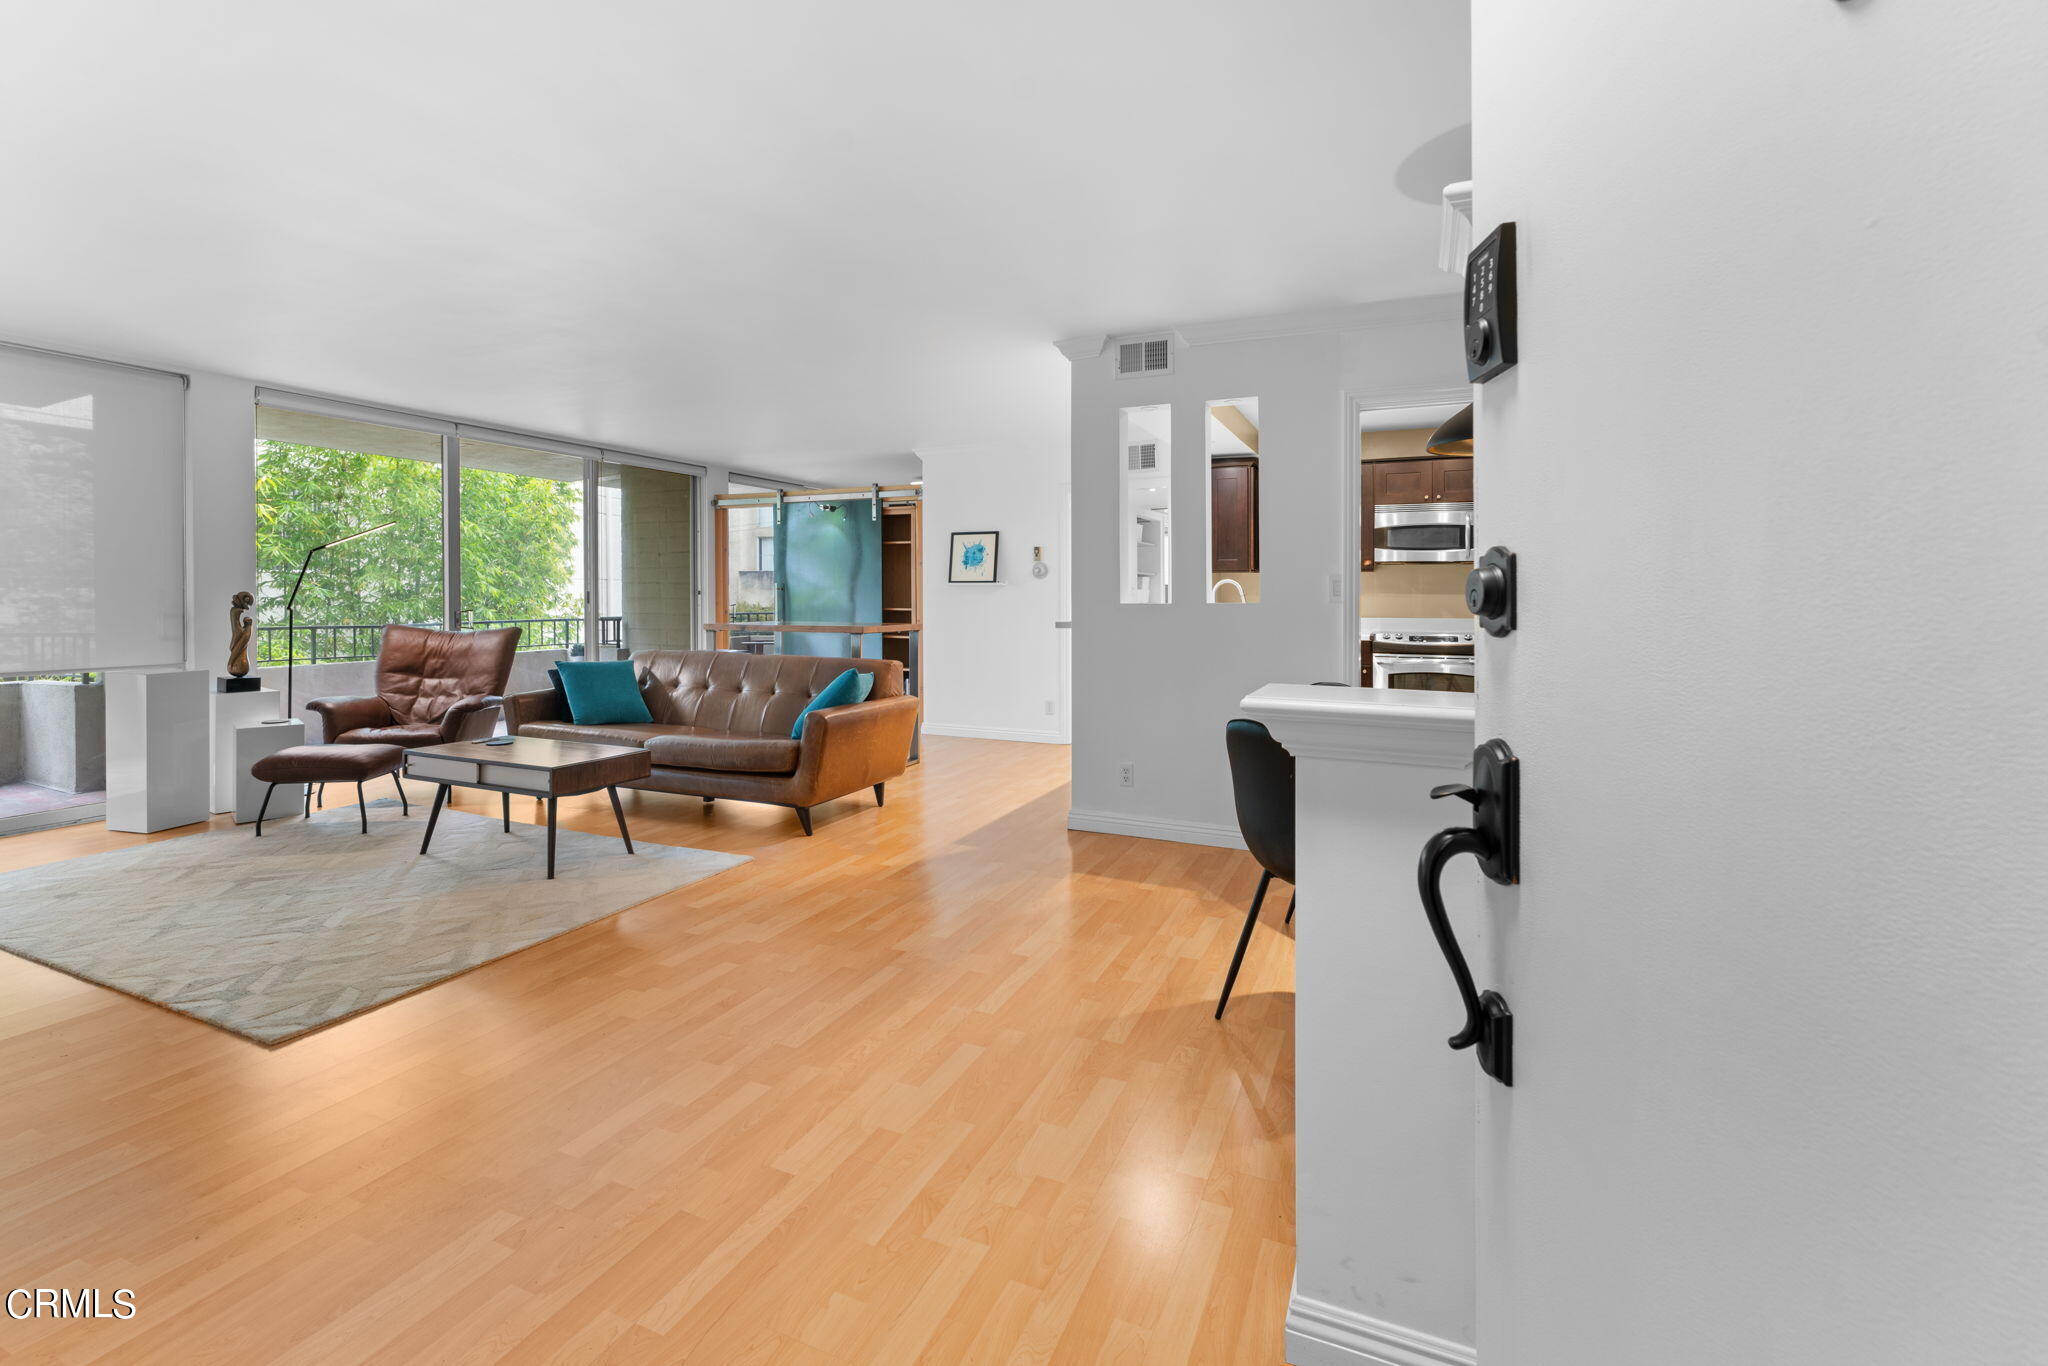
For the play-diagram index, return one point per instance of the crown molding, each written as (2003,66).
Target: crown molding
(1454,239)
(1347,318)
(1411,396)
(1421,308)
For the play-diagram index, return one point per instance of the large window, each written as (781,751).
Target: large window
(522,543)
(576,573)
(319,479)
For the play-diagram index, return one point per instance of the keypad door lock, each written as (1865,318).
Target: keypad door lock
(1491,344)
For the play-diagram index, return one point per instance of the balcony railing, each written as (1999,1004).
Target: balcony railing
(344,644)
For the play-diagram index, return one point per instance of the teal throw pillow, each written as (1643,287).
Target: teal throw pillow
(867,685)
(603,692)
(839,692)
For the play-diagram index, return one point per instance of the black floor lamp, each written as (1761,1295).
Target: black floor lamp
(290,625)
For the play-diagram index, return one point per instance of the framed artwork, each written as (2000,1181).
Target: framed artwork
(974,557)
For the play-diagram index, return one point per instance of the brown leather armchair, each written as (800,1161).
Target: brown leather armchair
(432,687)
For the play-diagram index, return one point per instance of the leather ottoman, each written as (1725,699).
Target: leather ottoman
(330,764)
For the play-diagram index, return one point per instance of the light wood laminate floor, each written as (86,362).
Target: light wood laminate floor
(939,1084)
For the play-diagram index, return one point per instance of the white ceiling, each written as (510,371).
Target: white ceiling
(806,237)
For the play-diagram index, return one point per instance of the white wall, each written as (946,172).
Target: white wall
(1153,685)
(1777,961)
(993,660)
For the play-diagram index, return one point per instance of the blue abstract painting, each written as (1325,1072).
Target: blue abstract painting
(974,557)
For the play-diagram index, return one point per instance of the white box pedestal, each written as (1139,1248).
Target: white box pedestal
(157,758)
(230,711)
(252,742)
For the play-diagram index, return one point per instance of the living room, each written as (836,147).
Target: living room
(674,682)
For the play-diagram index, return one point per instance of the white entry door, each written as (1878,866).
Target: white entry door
(1778,960)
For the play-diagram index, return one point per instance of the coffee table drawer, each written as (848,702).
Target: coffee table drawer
(440,770)
(432,769)
(525,779)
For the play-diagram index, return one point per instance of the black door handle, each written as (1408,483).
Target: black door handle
(1492,838)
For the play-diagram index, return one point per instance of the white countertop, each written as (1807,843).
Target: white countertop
(1370,626)
(1392,725)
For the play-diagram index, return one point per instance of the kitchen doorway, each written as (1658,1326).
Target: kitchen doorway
(1410,521)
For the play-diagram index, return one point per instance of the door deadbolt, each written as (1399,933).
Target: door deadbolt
(1490,591)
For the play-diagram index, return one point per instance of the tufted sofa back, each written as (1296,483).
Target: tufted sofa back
(746,694)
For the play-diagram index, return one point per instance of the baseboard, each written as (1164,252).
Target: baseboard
(1156,828)
(1035,737)
(1320,1334)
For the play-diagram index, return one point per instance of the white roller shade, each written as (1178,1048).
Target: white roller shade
(92,515)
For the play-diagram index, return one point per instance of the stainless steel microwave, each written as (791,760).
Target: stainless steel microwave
(1422,533)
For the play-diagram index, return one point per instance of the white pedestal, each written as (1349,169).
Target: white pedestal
(230,711)
(157,757)
(252,742)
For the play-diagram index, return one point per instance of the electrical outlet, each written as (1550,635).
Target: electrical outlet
(1126,775)
(1336,588)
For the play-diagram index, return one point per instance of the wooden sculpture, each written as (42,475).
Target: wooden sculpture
(241,627)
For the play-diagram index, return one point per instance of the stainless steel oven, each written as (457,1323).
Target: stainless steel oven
(1422,533)
(1431,673)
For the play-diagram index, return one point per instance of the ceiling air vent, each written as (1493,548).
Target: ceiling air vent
(1144,357)
(1145,457)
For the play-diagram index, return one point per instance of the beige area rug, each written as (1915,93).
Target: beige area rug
(276,937)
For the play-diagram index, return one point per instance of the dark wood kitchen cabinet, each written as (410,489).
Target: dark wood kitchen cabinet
(1453,481)
(1404,481)
(1423,481)
(1234,514)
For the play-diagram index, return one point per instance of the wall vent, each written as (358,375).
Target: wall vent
(1145,457)
(1151,357)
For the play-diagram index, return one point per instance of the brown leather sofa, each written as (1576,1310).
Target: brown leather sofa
(722,720)
(433,687)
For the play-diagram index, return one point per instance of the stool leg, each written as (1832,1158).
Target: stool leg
(1237,959)
(363,808)
(404,806)
(263,808)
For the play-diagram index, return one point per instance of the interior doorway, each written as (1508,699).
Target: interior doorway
(1415,599)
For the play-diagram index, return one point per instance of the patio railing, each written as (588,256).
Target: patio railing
(349,643)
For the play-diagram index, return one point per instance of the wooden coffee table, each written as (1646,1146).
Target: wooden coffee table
(544,769)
